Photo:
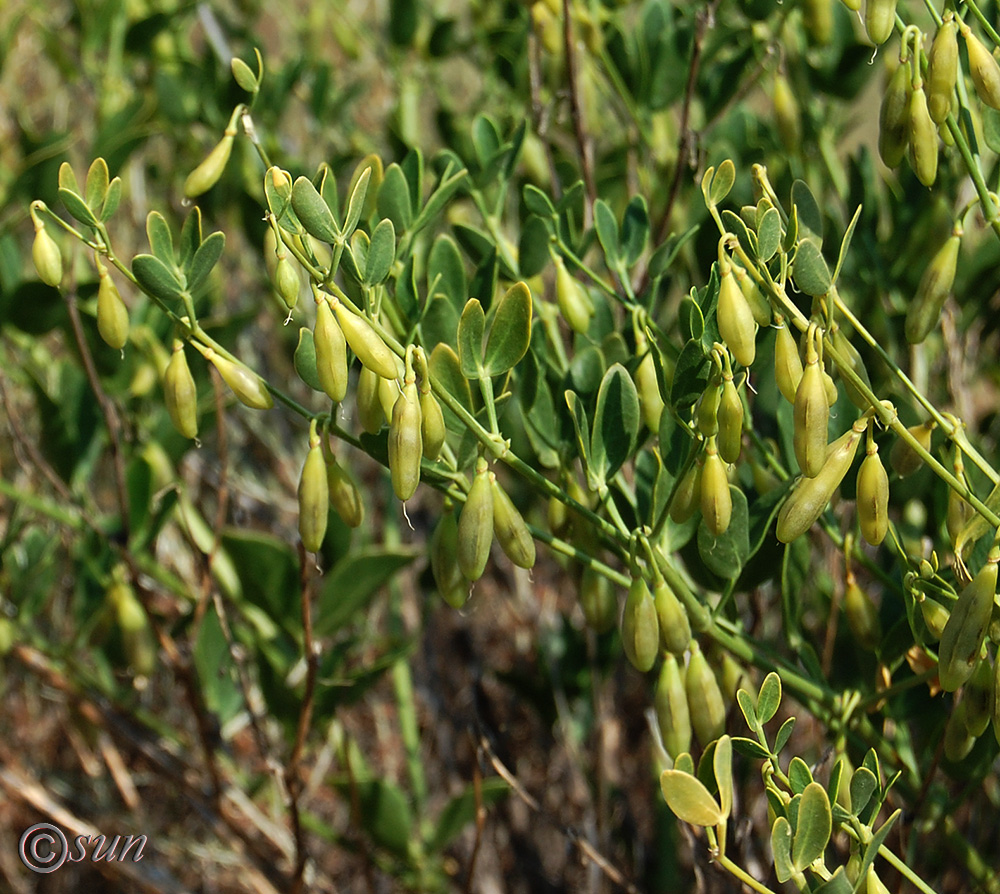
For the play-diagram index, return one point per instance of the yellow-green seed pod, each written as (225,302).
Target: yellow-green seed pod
(787,363)
(862,615)
(923,136)
(787,115)
(112,314)
(958,742)
(817,16)
(675,628)
(935,285)
(406,443)
(903,458)
(731,676)
(46,256)
(844,347)
(512,533)
(759,306)
(248,387)
(880,17)
(597,599)
(286,281)
(715,497)
(207,174)
(640,626)
(575,304)
(873,884)
(809,496)
(983,67)
(735,319)
(133,622)
(935,616)
(844,800)
(893,132)
(707,413)
(331,353)
(370,413)
(730,422)
(388,394)
(687,497)
(873,497)
(475,525)
(704,698)
(650,400)
(959,512)
(670,701)
(963,635)
(345,496)
(852,5)
(451,584)
(180,393)
(432,426)
(367,343)
(314,495)
(942,69)
(811,414)
(978,697)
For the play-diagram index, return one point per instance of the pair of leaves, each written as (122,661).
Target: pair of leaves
(622,247)
(795,850)
(315,215)
(508,339)
(100,197)
(689,798)
(167,274)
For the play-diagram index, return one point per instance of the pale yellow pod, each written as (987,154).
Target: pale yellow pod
(811,415)
(370,413)
(923,136)
(716,498)
(978,696)
(245,384)
(688,494)
(675,627)
(862,615)
(787,363)
(704,697)
(873,497)
(345,496)
(475,525)
(942,68)
(512,533)
(46,256)
(180,393)
(730,422)
(575,304)
(735,319)
(640,626)
(207,174)
(406,445)
(880,18)
(962,638)
(331,353)
(672,714)
(707,412)
(983,67)
(373,353)
(650,401)
(432,425)
(112,314)
(903,458)
(314,496)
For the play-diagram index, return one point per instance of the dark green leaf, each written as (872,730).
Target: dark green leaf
(470,339)
(161,242)
(690,375)
(394,198)
(205,258)
(446,371)
(155,278)
(510,331)
(665,254)
(809,270)
(635,230)
(77,207)
(305,359)
(537,202)
(269,574)
(768,234)
(809,216)
(607,231)
(814,826)
(750,748)
(863,786)
(381,252)
(191,237)
(579,415)
(352,583)
(838,883)
(446,272)
(726,553)
(799,775)
(736,225)
(616,422)
(845,243)
(461,810)
(781,849)
(313,212)
(356,203)
(533,247)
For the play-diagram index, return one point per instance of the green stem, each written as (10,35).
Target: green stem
(742,875)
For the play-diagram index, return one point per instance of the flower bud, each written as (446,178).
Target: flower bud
(787,363)
(640,626)
(650,401)
(671,705)
(475,525)
(314,495)
(730,422)
(759,306)
(112,315)
(688,494)
(286,281)
(432,425)
(707,412)
(180,393)
(935,285)
(880,17)
(512,533)
(207,174)
(331,353)
(923,137)
(893,132)
(406,447)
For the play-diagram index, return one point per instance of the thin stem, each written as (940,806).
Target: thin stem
(738,871)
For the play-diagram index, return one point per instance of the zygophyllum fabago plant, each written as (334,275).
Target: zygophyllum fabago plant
(721,436)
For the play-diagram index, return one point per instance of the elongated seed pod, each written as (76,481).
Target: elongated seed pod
(716,498)
(978,696)
(704,698)
(873,497)
(935,285)
(811,415)
(817,16)
(133,622)
(730,422)
(46,256)
(475,525)
(880,17)
(286,282)
(923,136)
(903,458)
(809,496)
(331,353)
(650,400)
(180,393)
(597,599)
(370,413)
(862,615)
(983,67)
(942,69)
(844,347)
(112,314)
(670,701)
(958,742)
(963,635)
(640,626)
(893,131)
(687,497)
(707,413)
(248,387)
(512,533)
(873,884)
(388,394)
(852,5)
(759,306)
(675,628)
(406,446)
(314,495)
(935,616)
(575,304)
(345,496)
(366,343)
(735,319)
(207,174)
(432,426)
(451,583)
(787,363)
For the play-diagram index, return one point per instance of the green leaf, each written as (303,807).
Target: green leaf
(607,231)
(691,318)
(750,748)
(737,226)
(666,254)
(799,775)
(533,247)
(745,700)
(791,231)
(356,203)
(191,238)
(67,178)
(688,798)
(769,697)
(156,278)
(77,207)
(205,258)
(809,269)
(537,202)
(722,763)
(243,75)
(810,219)
(838,883)
(470,339)
(845,243)
(768,234)
(635,230)
(160,241)
(722,181)
(394,198)
(446,272)
(305,359)
(112,199)
(97,183)
(784,733)
(381,252)
(352,582)
(385,814)
(690,375)
(726,553)
(616,422)
(313,212)
(510,332)
(877,840)
(461,810)
(578,413)
(814,826)
(269,574)
(213,662)
(781,849)
(446,371)
(863,786)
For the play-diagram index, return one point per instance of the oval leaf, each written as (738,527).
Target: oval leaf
(156,278)
(446,371)
(313,211)
(616,422)
(722,763)
(470,339)
(688,798)
(810,272)
(781,849)
(357,202)
(205,258)
(305,359)
(394,197)
(77,207)
(97,183)
(814,826)
(723,181)
(769,697)
(381,252)
(607,230)
(768,234)
(510,333)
